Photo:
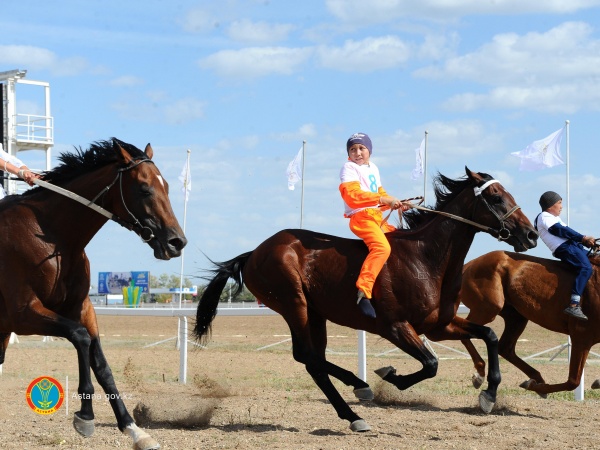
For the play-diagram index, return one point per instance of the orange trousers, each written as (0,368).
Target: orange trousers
(366,224)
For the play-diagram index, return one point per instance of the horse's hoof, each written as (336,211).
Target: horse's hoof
(596,384)
(364,394)
(360,426)
(82,426)
(147,443)
(486,403)
(141,439)
(528,385)
(385,371)
(477,380)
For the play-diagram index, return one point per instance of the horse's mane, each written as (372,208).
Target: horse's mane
(445,189)
(80,162)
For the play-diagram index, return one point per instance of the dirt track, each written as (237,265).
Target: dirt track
(251,398)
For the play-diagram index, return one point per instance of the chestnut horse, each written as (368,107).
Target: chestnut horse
(521,288)
(45,273)
(310,278)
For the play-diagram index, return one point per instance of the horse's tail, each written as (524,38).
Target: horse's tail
(207,305)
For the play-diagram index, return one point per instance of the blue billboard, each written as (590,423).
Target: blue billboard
(116,282)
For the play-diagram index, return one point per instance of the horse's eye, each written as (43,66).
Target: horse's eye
(145,190)
(496,199)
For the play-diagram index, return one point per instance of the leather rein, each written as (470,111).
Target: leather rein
(143,232)
(503,233)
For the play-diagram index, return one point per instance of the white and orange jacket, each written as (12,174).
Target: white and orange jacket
(361,187)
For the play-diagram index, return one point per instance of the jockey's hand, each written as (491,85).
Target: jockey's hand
(589,241)
(28,176)
(393,203)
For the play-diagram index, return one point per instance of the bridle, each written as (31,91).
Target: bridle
(503,233)
(145,233)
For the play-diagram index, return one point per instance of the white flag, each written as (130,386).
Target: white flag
(186,180)
(418,170)
(294,170)
(543,153)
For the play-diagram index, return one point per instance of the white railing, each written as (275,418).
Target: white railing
(34,129)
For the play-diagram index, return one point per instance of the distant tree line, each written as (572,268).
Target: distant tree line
(166,281)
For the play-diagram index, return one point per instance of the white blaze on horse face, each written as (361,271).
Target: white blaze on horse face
(160,179)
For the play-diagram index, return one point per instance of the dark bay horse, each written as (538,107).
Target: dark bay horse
(521,288)
(45,273)
(310,278)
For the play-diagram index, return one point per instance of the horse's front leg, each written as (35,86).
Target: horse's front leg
(579,354)
(461,329)
(404,336)
(141,439)
(39,320)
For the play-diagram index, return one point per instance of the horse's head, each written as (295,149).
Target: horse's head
(496,208)
(145,201)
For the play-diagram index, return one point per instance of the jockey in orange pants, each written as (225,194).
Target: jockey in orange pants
(364,200)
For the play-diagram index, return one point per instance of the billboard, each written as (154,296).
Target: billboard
(128,284)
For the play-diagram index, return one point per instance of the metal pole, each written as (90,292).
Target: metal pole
(362,355)
(183,351)
(579,390)
(425,168)
(302,195)
(185,202)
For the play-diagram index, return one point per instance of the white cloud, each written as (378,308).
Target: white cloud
(155,108)
(379,11)
(368,55)
(184,110)
(199,21)
(564,52)
(554,71)
(255,62)
(127,81)
(37,58)
(258,32)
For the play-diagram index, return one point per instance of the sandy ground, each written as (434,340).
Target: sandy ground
(245,391)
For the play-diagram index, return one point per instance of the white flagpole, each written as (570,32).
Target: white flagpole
(425,168)
(302,195)
(568,199)
(185,202)
(579,391)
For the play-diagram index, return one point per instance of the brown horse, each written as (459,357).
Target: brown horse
(521,288)
(44,271)
(309,278)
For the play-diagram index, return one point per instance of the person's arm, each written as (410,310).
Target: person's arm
(566,232)
(22,171)
(355,197)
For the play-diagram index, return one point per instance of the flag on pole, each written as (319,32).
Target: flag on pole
(294,170)
(418,170)
(186,179)
(543,153)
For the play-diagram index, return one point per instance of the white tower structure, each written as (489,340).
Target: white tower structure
(24,131)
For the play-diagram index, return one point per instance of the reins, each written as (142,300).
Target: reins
(143,232)
(503,233)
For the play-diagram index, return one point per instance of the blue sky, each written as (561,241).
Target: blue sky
(242,84)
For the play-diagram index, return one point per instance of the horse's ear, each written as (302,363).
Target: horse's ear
(148,151)
(122,153)
(473,175)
